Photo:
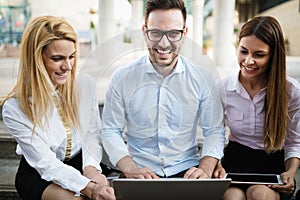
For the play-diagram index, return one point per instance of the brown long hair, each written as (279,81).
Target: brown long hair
(268,29)
(34,89)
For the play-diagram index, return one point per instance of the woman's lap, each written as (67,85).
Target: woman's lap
(242,159)
(29,183)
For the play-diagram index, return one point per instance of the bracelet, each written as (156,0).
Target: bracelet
(93,190)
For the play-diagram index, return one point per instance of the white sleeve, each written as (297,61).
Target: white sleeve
(37,152)
(90,122)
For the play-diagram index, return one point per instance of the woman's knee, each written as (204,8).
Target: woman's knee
(56,192)
(234,193)
(261,192)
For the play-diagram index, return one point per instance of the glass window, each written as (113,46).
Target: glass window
(13,17)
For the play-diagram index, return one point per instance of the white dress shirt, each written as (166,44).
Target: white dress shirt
(161,116)
(45,149)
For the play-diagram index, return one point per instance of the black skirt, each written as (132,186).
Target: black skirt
(239,158)
(30,185)
(242,159)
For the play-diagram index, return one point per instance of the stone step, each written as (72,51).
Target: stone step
(9,162)
(8,193)
(8,171)
(7,146)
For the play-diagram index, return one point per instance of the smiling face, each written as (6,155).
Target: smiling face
(58,58)
(164,53)
(253,58)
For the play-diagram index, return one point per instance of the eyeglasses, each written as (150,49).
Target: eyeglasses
(155,35)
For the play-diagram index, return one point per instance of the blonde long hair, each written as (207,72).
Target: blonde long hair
(34,89)
(268,29)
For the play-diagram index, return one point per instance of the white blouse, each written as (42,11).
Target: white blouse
(45,150)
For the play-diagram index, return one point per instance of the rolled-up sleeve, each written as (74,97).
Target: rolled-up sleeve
(114,122)
(292,140)
(211,121)
(90,122)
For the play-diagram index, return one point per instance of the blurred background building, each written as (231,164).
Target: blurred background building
(213,24)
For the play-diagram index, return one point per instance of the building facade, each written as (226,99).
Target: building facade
(98,20)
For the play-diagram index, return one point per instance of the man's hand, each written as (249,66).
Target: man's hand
(205,169)
(219,171)
(195,172)
(140,173)
(130,170)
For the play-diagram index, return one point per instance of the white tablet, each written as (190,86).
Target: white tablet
(251,178)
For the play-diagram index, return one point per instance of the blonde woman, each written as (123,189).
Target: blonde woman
(52,113)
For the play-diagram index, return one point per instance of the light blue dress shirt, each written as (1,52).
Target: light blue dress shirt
(161,115)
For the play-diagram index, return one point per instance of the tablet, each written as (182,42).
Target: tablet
(251,178)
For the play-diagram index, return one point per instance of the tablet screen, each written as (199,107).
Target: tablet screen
(254,178)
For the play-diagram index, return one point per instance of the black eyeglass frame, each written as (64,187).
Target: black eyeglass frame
(164,33)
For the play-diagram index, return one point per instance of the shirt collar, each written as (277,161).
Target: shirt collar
(178,67)
(234,83)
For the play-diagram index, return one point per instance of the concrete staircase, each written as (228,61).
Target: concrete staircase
(9,162)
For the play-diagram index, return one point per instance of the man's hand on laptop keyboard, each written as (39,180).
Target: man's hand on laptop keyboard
(195,172)
(130,169)
(141,173)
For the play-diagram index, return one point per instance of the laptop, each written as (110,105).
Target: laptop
(170,188)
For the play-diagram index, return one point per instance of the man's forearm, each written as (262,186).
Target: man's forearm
(126,164)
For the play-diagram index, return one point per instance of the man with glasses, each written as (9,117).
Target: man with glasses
(159,99)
